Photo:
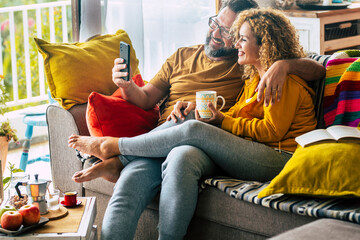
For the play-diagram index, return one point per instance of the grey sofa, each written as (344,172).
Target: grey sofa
(218,216)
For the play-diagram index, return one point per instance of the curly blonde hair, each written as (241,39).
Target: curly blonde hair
(275,35)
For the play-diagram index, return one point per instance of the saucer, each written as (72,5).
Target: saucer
(56,214)
(69,206)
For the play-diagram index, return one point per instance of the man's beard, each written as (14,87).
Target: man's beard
(221,52)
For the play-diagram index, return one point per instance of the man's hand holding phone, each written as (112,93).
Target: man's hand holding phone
(118,75)
(121,71)
(125,55)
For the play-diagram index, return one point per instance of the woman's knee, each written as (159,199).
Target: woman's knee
(192,127)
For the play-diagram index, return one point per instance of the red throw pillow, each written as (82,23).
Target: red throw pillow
(115,117)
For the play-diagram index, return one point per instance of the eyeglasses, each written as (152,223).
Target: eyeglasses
(214,25)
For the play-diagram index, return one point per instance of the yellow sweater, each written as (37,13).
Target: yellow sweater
(276,125)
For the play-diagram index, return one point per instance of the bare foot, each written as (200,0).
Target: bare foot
(101,147)
(109,170)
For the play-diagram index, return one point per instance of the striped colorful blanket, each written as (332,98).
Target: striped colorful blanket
(342,89)
(347,209)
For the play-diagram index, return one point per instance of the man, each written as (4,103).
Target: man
(212,66)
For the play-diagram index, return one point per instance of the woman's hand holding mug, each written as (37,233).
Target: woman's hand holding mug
(206,102)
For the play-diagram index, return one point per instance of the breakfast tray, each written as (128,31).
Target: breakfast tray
(68,224)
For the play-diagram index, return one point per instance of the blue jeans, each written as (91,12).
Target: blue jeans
(185,150)
(140,181)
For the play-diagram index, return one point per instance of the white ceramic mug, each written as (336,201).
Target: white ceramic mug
(202,100)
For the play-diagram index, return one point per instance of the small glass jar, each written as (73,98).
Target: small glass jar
(53,199)
(14,199)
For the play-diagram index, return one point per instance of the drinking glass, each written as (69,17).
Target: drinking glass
(53,199)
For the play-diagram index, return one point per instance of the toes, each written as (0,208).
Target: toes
(82,176)
(73,137)
(78,177)
(77,180)
(77,174)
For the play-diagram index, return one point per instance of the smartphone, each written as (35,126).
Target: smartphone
(125,54)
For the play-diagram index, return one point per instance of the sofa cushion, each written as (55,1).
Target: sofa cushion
(74,70)
(328,169)
(318,87)
(113,116)
(78,113)
(216,207)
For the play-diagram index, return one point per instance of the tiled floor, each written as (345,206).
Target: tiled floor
(36,150)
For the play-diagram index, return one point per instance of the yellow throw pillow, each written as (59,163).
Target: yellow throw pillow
(328,169)
(74,70)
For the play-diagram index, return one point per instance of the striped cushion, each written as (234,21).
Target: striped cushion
(339,208)
(318,87)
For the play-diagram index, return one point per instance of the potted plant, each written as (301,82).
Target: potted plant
(7,133)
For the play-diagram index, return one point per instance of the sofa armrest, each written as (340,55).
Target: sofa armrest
(323,229)
(64,163)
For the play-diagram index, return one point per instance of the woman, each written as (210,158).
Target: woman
(262,138)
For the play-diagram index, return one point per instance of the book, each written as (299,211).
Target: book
(337,133)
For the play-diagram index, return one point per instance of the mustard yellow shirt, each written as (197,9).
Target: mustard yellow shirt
(189,70)
(276,125)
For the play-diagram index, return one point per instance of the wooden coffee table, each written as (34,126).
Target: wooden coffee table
(57,228)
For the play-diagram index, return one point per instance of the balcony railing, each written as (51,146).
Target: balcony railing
(20,62)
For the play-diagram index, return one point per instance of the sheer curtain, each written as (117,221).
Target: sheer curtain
(158,27)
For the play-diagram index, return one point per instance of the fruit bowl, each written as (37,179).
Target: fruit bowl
(23,229)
